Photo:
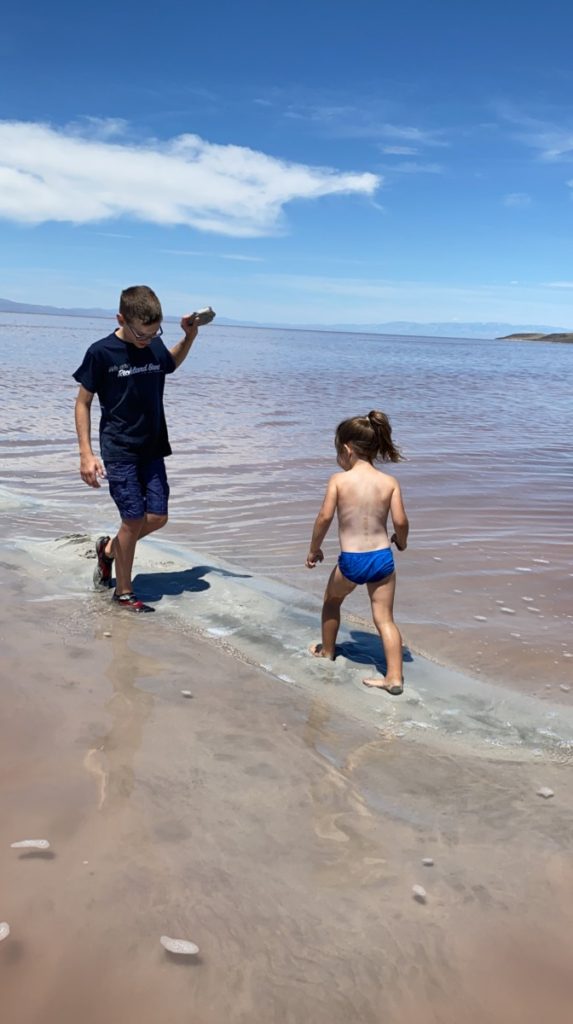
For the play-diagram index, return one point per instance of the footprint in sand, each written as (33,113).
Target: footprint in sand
(327,828)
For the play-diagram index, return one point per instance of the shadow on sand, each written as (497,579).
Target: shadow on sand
(152,586)
(366,649)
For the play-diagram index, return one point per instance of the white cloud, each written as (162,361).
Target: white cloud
(48,174)
(422,136)
(215,255)
(363,121)
(400,150)
(417,167)
(183,252)
(98,127)
(377,300)
(517,199)
(240,258)
(559,284)
(553,141)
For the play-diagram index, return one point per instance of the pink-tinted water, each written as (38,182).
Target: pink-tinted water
(487,581)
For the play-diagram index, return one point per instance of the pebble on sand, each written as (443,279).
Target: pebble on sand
(428,862)
(107,634)
(31,844)
(480,618)
(186,693)
(419,893)
(508,611)
(4,930)
(180,946)
(545,792)
(565,688)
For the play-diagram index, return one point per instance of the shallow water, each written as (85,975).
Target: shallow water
(487,580)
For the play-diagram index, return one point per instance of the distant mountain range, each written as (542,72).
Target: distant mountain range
(445,329)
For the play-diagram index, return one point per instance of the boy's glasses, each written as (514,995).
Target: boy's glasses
(145,337)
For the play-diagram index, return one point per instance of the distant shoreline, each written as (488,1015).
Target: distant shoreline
(559,338)
(456,330)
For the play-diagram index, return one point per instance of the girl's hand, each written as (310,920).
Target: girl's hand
(394,540)
(313,557)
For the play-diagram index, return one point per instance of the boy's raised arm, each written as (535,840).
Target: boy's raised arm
(190,328)
(322,524)
(399,519)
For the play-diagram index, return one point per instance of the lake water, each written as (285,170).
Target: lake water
(487,581)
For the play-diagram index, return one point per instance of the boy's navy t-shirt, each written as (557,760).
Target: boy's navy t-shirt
(129,383)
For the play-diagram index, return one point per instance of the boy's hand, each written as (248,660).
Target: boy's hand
(189,325)
(313,557)
(91,469)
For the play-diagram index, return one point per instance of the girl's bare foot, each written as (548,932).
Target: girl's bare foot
(318,651)
(394,688)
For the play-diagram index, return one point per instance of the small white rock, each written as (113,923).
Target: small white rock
(181,946)
(508,611)
(4,930)
(31,844)
(480,618)
(107,634)
(186,693)
(419,893)
(565,688)
(545,792)
(428,862)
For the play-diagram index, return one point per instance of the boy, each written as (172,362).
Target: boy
(363,497)
(127,372)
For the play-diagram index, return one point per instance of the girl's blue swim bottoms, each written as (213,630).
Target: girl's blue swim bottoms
(366,566)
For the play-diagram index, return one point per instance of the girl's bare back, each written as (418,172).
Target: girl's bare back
(364,499)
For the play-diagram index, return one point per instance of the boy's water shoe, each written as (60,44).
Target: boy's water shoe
(102,571)
(132,603)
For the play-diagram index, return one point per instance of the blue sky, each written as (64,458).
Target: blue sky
(316,162)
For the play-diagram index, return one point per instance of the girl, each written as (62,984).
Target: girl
(363,496)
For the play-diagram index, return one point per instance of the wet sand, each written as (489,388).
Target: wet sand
(279,828)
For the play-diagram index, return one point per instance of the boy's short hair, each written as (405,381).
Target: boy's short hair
(140,303)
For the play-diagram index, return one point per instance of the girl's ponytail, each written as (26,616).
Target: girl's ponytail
(370,437)
(387,450)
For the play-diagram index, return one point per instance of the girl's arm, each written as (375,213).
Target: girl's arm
(322,524)
(399,519)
